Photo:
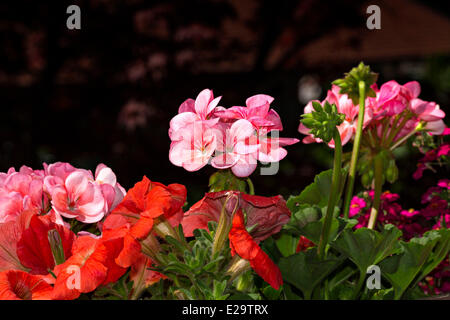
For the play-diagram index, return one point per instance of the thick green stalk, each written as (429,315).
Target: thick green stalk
(355,153)
(378,164)
(335,186)
(251,187)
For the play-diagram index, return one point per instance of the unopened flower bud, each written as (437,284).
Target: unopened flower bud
(56,246)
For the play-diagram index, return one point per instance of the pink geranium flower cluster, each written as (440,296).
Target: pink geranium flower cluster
(203,132)
(61,190)
(394,113)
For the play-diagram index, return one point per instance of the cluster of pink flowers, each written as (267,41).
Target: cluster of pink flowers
(61,190)
(203,132)
(394,113)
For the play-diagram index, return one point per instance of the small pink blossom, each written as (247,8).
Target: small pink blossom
(195,148)
(257,111)
(409,213)
(78,197)
(444,183)
(237,149)
(75,193)
(356,206)
(202,109)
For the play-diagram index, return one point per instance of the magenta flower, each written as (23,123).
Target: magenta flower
(444,183)
(409,213)
(356,206)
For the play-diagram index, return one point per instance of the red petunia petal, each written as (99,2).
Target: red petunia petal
(33,248)
(10,234)
(242,243)
(19,285)
(84,271)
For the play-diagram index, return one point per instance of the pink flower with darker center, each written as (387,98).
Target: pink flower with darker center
(75,193)
(356,206)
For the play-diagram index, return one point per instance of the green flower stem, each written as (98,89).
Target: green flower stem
(355,153)
(418,128)
(335,185)
(251,187)
(378,168)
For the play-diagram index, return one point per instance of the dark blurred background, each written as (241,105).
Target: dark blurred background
(107,92)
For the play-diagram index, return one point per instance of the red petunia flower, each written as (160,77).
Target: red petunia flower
(90,266)
(265,215)
(19,285)
(303,244)
(132,220)
(10,234)
(34,247)
(242,243)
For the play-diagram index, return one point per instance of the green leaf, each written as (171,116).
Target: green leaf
(226,180)
(383,294)
(305,270)
(341,276)
(287,244)
(316,193)
(342,292)
(289,294)
(270,293)
(438,254)
(401,269)
(366,247)
(242,296)
(175,243)
(303,216)
(308,222)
